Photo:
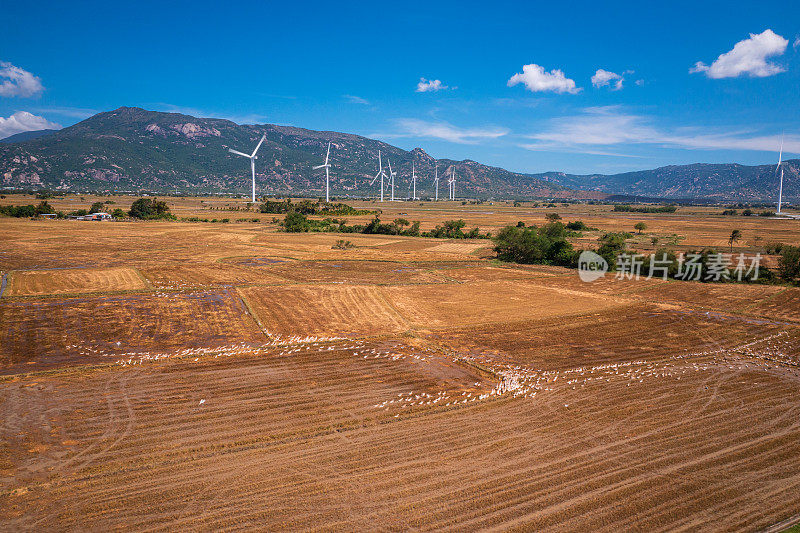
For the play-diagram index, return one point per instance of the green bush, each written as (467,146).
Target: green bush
(545,245)
(789,263)
(150,209)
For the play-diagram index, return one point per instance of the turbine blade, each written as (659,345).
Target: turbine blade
(319,167)
(259,144)
(231,150)
(329,152)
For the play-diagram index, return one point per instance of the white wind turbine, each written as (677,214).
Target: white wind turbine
(780,190)
(436,181)
(392,174)
(252,158)
(380,173)
(327,167)
(413,181)
(451,182)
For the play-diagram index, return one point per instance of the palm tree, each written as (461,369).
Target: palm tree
(735,237)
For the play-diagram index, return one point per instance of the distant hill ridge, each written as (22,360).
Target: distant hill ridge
(131,149)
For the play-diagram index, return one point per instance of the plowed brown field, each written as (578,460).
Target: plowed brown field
(176,376)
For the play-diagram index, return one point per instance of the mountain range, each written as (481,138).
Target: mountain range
(132,149)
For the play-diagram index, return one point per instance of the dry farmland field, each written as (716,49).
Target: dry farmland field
(220,376)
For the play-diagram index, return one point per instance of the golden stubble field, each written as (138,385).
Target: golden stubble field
(169,375)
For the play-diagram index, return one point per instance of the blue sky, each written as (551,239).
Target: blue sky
(507,83)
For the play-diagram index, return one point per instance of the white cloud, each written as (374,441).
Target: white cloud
(355,99)
(796,44)
(24,121)
(74,112)
(610,126)
(442,130)
(425,86)
(17,82)
(536,79)
(603,78)
(747,57)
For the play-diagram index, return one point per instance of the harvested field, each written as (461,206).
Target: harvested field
(339,310)
(358,272)
(73,281)
(465,248)
(187,440)
(443,306)
(184,275)
(49,333)
(205,376)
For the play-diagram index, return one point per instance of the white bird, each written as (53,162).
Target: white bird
(252,158)
(326,166)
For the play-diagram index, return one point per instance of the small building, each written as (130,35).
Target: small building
(48,215)
(98,216)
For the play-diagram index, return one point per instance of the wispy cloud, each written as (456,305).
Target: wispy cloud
(410,127)
(355,99)
(536,79)
(15,81)
(606,78)
(598,128)
(748,57)
(427,86)
(24,121)
(796,44)
(74,112)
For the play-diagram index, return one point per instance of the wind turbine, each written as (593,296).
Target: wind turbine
(380,173)
(451,183)
(413,181)
(780,190)
(392,174)
(252,158)
(436,181)
(327,167)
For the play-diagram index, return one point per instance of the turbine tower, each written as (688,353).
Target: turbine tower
(413,181)
(327,167)
(380,173)
(252,158)
(780,190)
(392,174)
(436,181)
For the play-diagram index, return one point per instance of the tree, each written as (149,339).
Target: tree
(640,227)
(552,217)
(44,208)
(545,245)
(118,213)
(97,207)
(654,240)
(789,263)
(295,222)
(611,246)
(735,237)
(150,209)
